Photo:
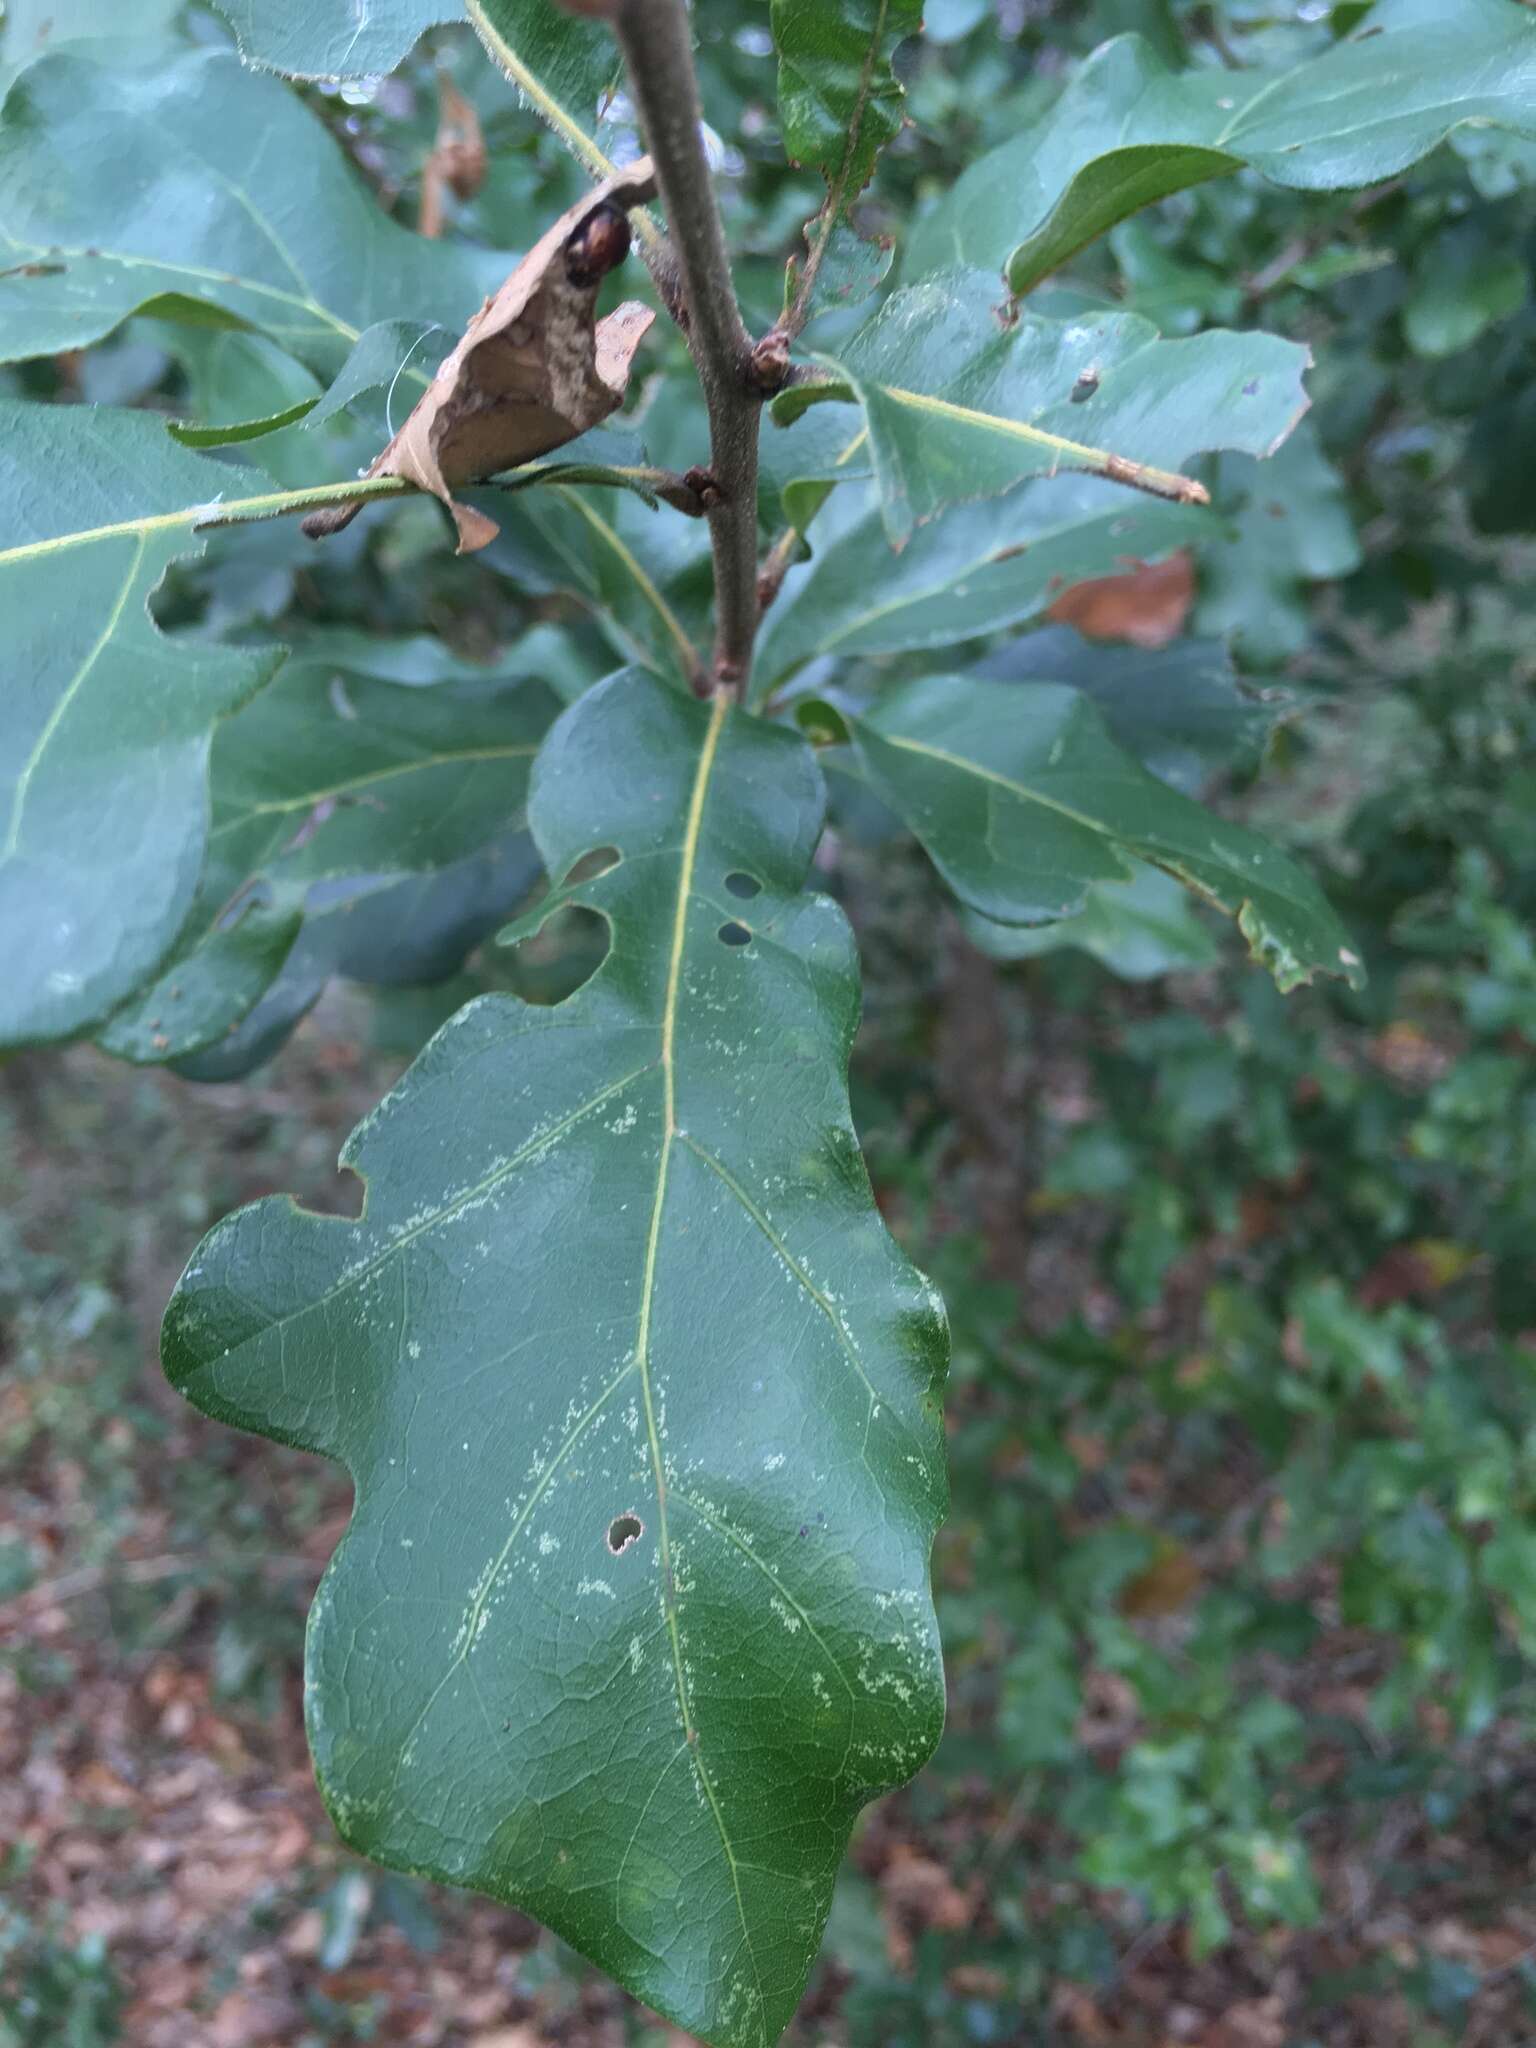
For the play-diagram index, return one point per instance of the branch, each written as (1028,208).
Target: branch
(689,493)
(654,38)
(654,251)
(1301,247)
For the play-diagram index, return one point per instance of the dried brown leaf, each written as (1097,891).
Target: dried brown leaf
(458,158)
(1166,1586)
(533,369)
(1146,606)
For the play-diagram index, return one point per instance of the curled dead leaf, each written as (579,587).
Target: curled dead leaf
(533,369)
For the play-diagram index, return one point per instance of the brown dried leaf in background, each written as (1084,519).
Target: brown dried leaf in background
(1166,1586)
(532,370)
(1146,606)
(918,1894)
(1252,2023)
(458,157)
(1415,1272)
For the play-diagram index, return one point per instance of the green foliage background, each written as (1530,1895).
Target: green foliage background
(1240,1577)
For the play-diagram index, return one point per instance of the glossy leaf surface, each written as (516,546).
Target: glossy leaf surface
(644,575)
(184,183)
(333,39)
(1129,131)
(335,783)
(105,723)
(633,1612)
(839,102)
(1138,928)
(974,571)
(1286,524)
(1024,802)
(1180,709)
(336,771)
(33,28)
(564,68)
(204,994)
(957,405)
(384,930)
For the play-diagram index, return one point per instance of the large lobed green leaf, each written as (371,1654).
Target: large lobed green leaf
(184,183)
(105,724)
(1129,131)
(640,1399)
(958,405)
(1024,803)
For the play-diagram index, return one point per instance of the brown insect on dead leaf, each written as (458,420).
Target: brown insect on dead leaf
(532,371)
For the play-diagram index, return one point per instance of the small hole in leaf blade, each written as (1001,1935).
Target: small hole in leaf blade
(734,934)
(593,864)
(743,886)
(624,1530)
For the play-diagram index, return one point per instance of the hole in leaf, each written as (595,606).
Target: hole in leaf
(344,1194)
(561,956)
(734,934)
(593,864)
(624,1530)
(743,886)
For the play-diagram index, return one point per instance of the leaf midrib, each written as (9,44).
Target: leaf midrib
(689,860)
(66,697)
(1144,849)
(210,513)
(1162,483)
(643,581)
(226,278)
(419,764)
